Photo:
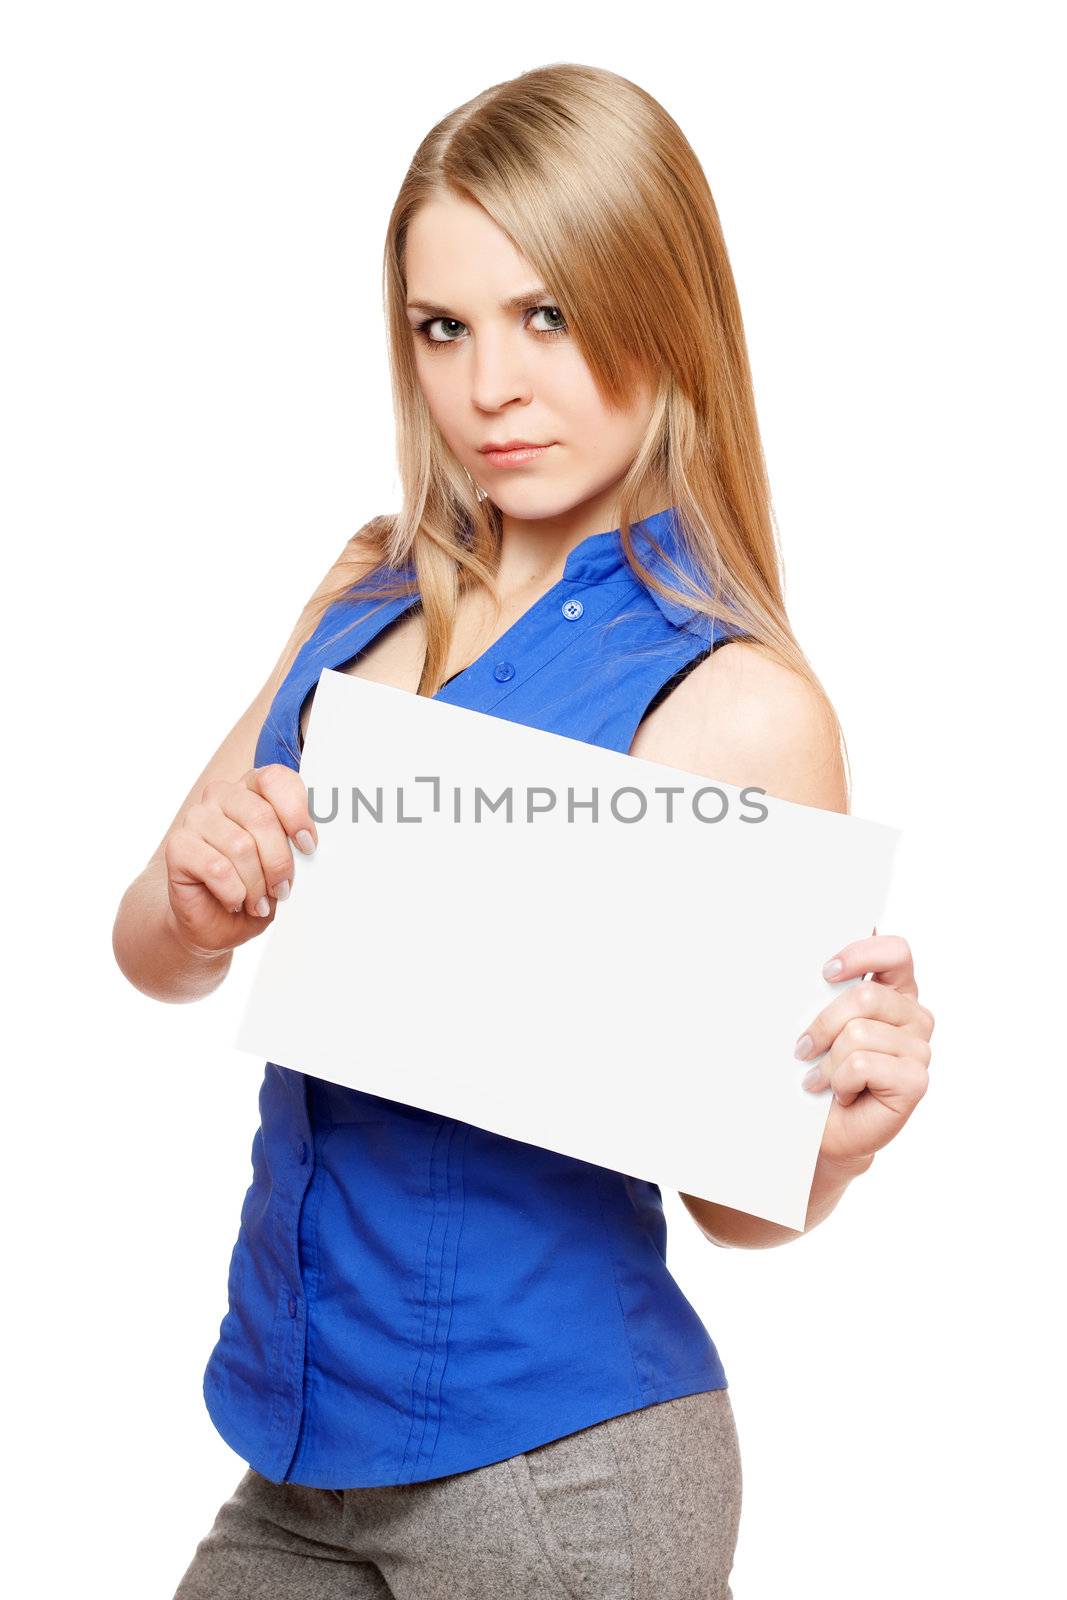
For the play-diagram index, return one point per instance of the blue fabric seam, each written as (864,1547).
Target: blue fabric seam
(315,1274)
(415,1377)
(595,1175)
(452,1286)
(433,1376)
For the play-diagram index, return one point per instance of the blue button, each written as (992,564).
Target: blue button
(301,1152)
(572,609)
(503,671)
(292,1305)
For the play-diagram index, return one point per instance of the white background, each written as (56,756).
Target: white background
(195,418)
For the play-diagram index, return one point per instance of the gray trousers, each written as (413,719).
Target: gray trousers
(645,1506)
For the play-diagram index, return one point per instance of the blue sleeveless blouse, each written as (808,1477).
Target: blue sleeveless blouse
(409,1295)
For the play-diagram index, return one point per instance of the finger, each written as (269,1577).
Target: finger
(873,1000)
(193,863)
(868,1034)
(257,815)
(287,793)
(898,1082)
(230,839)
(886,955)
(233,823)
(872,1033)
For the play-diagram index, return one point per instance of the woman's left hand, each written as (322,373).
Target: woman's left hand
(877,1036)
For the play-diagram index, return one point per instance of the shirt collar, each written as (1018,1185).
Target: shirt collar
(600,556)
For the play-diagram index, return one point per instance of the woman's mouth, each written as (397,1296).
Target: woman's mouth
(516,456)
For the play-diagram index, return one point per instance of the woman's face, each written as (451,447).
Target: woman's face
(492,373)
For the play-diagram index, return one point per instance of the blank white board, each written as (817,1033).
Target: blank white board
(625,989)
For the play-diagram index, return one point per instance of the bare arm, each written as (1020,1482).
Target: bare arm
(146,938)
(746,720)
(724,1226)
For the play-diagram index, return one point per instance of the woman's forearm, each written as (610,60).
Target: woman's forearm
(149,952)
(724,1226)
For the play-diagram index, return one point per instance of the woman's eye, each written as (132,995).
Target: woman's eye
(424,327)
(550,311)
(449,324)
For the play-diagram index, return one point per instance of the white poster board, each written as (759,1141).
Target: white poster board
(625,990)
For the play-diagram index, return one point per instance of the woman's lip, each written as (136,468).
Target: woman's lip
(515,458)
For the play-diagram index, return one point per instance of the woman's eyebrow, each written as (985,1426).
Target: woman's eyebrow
(517,302)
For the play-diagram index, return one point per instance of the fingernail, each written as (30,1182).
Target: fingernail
(804,1046)
(811,1077)
(281,890)
(832,967)
(305,842)
(263,907)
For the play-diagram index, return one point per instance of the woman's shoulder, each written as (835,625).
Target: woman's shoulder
(748,719)
(360,556)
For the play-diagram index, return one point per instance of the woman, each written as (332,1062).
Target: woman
(457,1363)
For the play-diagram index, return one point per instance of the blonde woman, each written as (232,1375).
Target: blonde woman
(457,1364)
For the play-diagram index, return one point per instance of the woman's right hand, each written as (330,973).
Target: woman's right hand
(229,860)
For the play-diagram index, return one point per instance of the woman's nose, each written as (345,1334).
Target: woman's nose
(499,372)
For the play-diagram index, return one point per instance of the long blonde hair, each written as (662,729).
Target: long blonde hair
(597,186)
